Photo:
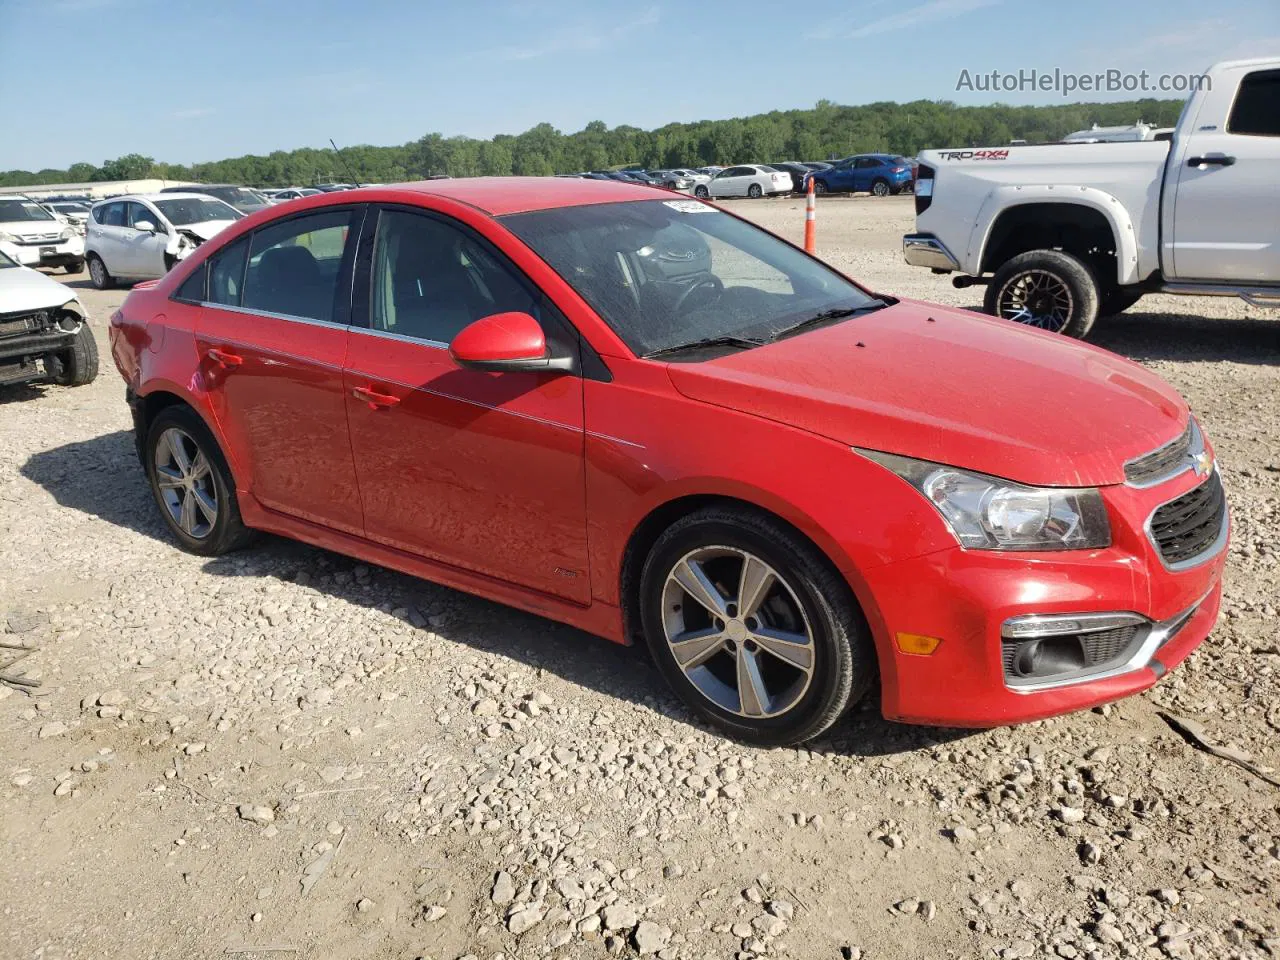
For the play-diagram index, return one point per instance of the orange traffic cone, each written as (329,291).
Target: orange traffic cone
(810,224)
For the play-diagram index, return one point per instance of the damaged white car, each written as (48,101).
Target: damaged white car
(141,237)
(44,334)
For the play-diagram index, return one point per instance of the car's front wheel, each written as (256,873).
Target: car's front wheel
(78,364)
(102,280)
(819,187)
(1048,289)
(74,267)
(192,485)
(752,627)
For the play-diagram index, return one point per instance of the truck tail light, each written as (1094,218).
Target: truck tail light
(924,188)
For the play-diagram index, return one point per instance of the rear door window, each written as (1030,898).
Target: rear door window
(294,265)
(226,274)
(113,215)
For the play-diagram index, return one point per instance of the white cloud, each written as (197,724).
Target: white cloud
(925,14)
(579,38)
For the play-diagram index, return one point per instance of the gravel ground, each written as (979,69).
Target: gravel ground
(285,749)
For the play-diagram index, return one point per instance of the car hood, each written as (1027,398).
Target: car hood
(952,387)
(22,289)
(208,229)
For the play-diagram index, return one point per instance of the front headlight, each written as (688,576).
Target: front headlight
(68,233)
(8,236)
(987,513)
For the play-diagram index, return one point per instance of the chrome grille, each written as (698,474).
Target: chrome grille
(1185,528)
(1161,462)
(33,238)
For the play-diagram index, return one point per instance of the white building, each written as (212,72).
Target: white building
(96,190)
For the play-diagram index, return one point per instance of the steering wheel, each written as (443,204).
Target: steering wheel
(710,282)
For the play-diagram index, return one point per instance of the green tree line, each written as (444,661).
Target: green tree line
(826,131)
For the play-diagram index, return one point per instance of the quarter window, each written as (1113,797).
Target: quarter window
(430,279)
(1257,108)
(192,289)
(226,274)
(294,265)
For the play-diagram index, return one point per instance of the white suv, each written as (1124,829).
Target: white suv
(142,237)
(34,237)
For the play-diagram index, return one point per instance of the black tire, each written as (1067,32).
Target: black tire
(1118,300)
(102,279)
(227,532)
(701,191)
(1074,287)
(880,188)
(754,191)
(820,187)
(77,365)
(75,267)
(844,663)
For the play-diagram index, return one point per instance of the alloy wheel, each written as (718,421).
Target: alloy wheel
(184,477)
(736,629)
(1037,298)
(97,272)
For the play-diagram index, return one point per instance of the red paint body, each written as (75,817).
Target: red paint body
(527,486)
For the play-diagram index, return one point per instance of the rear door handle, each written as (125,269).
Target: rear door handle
(1218,161)
(374,399)
(225,358)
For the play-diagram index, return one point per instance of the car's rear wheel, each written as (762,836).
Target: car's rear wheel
(78,364)
(192,485)
(880,188)
(1047,289)
(102,280)
(752,628)
(701,192)
(754,191)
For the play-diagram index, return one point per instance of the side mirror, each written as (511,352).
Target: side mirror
(146,226)
(505,342)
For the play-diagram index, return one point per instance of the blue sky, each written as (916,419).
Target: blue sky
(184,80)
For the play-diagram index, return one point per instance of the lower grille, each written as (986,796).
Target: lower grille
(16,325)
(1187,527)
(1067,653)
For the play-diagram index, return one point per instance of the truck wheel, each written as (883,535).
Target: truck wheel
(1118,300)
(98,273)
(78,365)
(1048,289)
(880,188)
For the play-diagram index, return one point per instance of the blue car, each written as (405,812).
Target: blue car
(880,174)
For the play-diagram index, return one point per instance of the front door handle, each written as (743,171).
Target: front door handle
(225,358)
(1218,161)
(374,399)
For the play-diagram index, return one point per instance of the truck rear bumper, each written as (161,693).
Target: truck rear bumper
(926,250)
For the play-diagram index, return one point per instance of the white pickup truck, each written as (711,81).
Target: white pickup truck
(1064,233)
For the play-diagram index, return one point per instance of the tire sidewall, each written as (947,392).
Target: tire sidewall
(100,277)
(225,529)
(831,645)
(1070,270)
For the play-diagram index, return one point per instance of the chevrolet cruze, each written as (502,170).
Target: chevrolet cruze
(646,417)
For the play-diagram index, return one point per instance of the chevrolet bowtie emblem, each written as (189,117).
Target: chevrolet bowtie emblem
(1202,463)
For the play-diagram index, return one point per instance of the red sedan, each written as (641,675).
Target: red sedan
(648,418)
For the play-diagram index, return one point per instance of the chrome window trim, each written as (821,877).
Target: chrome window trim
(400,337)
(1210,552)
(249,311)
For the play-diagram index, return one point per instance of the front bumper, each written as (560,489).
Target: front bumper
(926,250)
(60,254)
(965,598)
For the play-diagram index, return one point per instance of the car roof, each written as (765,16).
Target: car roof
(153,197)
(498,196)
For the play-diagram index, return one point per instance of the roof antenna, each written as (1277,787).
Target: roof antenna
(350,173)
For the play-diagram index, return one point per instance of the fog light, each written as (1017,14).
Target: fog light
(917,645)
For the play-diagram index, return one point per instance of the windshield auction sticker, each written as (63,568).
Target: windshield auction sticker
(689,206)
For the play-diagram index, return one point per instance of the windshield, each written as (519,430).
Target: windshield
(70,207)
(665,273)
(242,198)
(18,211)
(196,210)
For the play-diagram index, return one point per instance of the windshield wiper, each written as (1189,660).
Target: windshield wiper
(835,313)
(743,343)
